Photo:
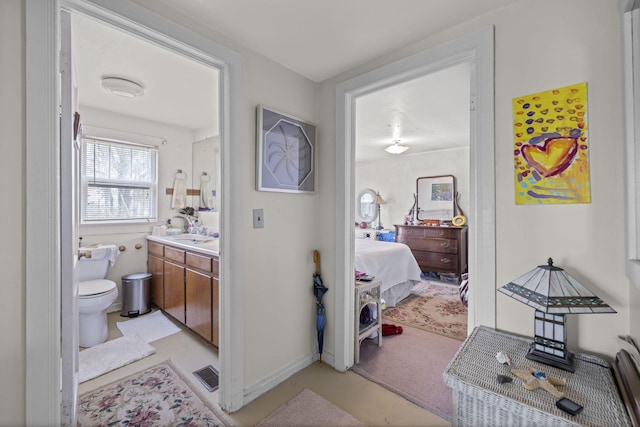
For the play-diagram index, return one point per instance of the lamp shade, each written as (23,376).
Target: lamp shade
(550,289)
(379,200)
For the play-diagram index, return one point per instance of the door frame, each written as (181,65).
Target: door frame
(478,50)
(44,269)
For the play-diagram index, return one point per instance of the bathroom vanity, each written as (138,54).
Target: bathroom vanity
(185,282)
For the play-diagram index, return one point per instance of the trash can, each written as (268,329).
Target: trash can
(136,294)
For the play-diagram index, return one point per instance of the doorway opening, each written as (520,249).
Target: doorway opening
(477,49)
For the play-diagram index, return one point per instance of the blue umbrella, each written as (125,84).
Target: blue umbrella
(319,290)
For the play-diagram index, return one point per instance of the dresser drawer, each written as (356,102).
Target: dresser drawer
(174,254)
(428,232)
(449,246)
(434,261)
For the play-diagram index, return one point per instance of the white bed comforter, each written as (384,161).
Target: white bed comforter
(391,262)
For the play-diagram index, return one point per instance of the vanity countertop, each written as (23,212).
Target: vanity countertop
(203,244)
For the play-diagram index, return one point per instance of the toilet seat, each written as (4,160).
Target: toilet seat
(95,288)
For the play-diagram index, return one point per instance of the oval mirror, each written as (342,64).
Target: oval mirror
(365,207)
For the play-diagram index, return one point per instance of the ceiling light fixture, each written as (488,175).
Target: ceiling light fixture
(122,87)
(396,148)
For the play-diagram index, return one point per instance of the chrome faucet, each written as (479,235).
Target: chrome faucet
(185,222)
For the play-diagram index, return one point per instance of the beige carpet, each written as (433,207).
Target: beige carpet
(157,396)
(411,364)
(433,308)
(309,409)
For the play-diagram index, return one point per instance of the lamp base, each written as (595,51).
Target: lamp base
(565,363)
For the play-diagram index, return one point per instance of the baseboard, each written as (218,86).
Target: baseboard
(267,384)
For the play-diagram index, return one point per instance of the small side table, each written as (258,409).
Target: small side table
(480,400)
(367,292)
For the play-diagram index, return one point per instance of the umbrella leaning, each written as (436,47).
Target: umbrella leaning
(319,290)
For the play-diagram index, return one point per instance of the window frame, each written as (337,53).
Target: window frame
(85,182)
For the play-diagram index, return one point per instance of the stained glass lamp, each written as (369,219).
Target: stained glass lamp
(553,293)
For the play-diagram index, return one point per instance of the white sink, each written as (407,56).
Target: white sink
(191,237)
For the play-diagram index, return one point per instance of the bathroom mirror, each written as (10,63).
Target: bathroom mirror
(205,169)
(365,208)
(436,197)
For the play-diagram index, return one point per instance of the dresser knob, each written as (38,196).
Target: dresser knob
(444,245)
(440,233)
(445,260)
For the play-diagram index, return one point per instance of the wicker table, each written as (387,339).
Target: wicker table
(480,400)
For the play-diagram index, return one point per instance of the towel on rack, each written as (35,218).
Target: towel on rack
(109,252)
(179,199)
(206,192)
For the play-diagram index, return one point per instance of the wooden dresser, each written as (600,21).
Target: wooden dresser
(437,249)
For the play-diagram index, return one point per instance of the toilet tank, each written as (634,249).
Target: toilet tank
(92,269)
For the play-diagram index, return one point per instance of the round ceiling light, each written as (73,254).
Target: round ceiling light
(396,148)
(122,87)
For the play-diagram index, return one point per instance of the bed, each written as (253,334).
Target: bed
(391,262)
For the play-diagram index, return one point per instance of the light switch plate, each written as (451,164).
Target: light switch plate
(258,218)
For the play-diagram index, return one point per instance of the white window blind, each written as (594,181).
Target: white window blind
(119,181)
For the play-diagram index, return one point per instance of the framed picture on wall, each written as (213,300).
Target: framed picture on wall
(285,153)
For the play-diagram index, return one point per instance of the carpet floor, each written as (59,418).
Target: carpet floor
(159,395)
(311,410)
(411,365)
(433,308)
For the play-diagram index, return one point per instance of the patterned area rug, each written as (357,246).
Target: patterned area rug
(433,308)
(158,396)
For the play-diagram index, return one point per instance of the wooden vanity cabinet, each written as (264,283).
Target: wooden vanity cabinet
(155,266)
(436,249)
(186,288)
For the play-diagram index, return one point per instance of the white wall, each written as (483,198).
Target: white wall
(395,179)
(587,239)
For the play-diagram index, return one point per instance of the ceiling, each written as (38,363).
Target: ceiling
(315,39)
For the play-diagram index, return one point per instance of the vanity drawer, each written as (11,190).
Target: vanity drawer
(174,254)
(200,262)
(449,246)
(155,248)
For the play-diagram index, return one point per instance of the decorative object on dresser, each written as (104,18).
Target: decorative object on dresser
(553,293)
(437,249)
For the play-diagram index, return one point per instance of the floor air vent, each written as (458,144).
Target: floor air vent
(208,376)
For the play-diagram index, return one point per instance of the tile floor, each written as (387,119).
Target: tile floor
(365,400)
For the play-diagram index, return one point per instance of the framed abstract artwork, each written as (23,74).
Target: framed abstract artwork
(551,148)
(285,153)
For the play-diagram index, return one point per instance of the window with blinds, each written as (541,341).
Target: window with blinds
(119,181)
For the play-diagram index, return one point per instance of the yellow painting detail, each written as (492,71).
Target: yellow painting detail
(551,150)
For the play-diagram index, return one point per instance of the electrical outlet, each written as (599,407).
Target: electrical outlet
(258,218)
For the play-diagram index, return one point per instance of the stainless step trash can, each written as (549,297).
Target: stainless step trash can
(136,294)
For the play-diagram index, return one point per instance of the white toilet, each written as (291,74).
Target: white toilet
(95,294)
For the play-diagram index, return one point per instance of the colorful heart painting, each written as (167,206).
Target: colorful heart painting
(551,162)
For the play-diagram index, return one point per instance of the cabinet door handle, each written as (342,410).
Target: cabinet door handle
(445,260)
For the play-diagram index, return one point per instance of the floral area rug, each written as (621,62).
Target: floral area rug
(431,307)
(158,396)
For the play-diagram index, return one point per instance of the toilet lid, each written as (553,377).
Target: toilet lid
(94,287)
